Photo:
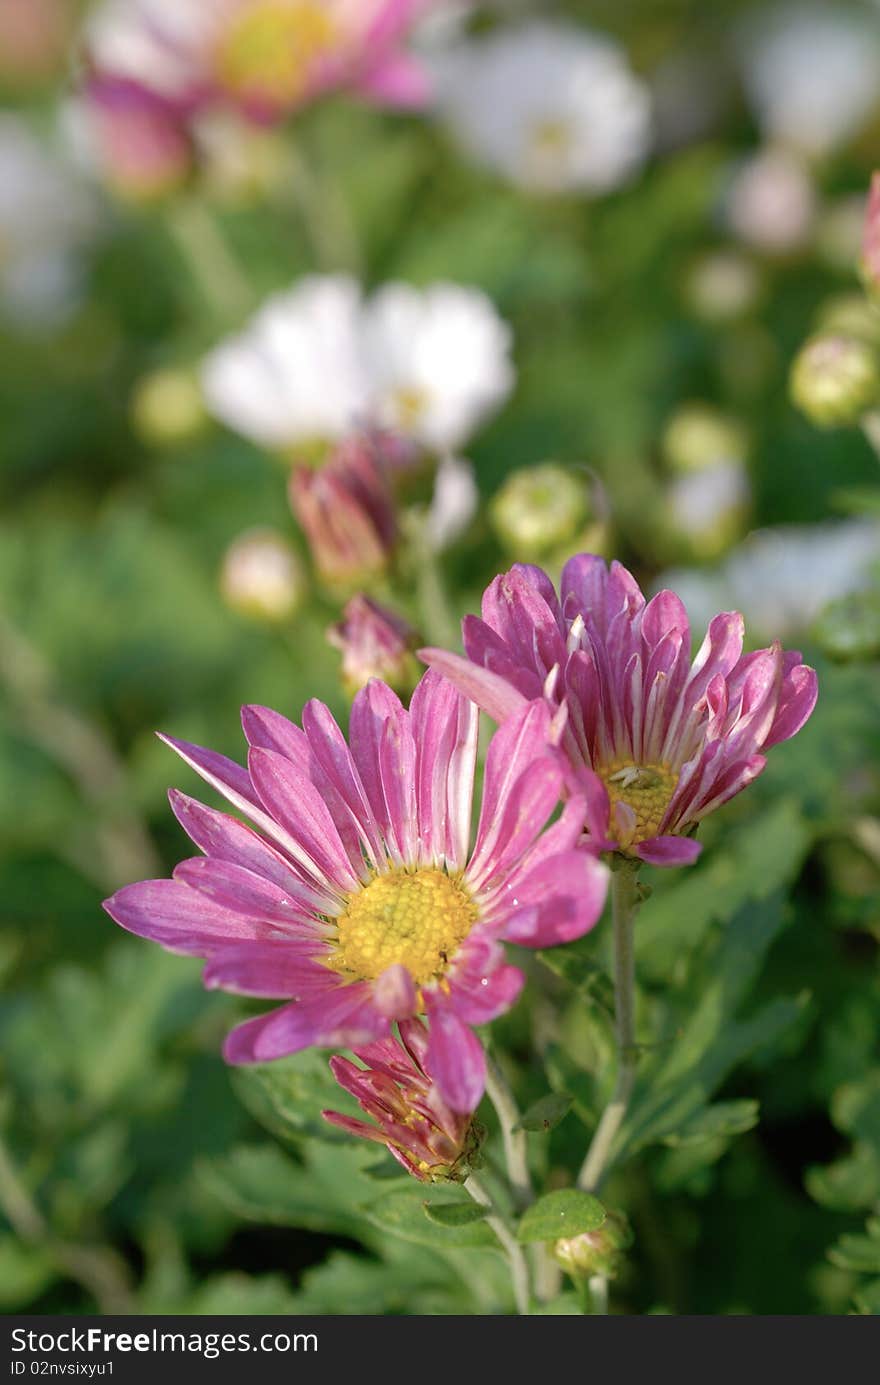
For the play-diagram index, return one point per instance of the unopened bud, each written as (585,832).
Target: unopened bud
(396,1089)
(835,379)
(167,407)
(348,513)
(375,643)
(850,315)
(849,628)
(699,436)
(262,576)
(596,1252)
(723,286)
(540,509)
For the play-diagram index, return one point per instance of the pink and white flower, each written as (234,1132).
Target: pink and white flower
(357,900)
(655,742)
(265,58)
(431,1141)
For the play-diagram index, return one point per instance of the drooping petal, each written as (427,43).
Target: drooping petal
(492,693)
(344,1019)
(455,1055)
(668,851)
(560,899)
(797,698)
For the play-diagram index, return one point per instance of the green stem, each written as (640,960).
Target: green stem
(323,212)
(519,1270)
(514,1137)
(207,255)
(871,430)
(624,906)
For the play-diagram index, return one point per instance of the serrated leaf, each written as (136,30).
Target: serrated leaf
(720,1120)
(402,1213)
(546,1113)
(859,1253)
(453,1214)
(568,1212)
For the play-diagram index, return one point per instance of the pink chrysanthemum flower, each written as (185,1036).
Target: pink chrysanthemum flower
(265,58)
(432,1142)
(357,899)
(656,742)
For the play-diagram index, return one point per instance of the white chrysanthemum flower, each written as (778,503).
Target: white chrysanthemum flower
(46,216)
(782,578)
(453,504)
(439,361)
(812,73)
(295,375)
(155,43)
(553,107)
(316,362)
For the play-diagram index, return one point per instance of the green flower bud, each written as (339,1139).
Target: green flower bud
(540,509)
(849,628)
(167,408)
(699,435)
(596,1252)
(835,379)
(850,315)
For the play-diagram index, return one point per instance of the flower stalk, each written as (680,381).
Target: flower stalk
(519,1269)
(512,1133)
(624,906)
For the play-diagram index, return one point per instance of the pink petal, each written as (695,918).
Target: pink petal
(455,1056)
(668,851)
(562,898)
(490,692)
(182,919)
(383,749)
(225,838)
(490,651)
(397,80)
(236,888)
(797,699)
(395,994)
(274,970)
(329,748)
(444,726)
(344,1019)
(295,803)
(478,999)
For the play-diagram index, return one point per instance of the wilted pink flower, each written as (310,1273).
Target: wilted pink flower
(357,899)
(655,742)
(265,58)
(142,148)
(347,511)
(871,237)
(432,1142)
(375,643)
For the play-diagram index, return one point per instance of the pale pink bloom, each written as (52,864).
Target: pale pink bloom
(655,741)
(357,899)
(422,1132)
(266,58)
(871,237)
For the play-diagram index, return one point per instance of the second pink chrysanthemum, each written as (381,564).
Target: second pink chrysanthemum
(357,899)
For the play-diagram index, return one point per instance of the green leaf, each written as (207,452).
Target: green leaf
(867,1299)
(567,1212)
(24,1273)
(403,1213)
(454,1214)
(721,1119)
(546,1113)
(860,1253)
(576,963)
(849,1184)
(288,1096)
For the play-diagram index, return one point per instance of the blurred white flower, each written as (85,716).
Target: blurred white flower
(316,362)
(295,375)
(551,106)
(771,201)
(47,216)
(454,503)
(812,73)
(781,578)
(439,361)
(154,43)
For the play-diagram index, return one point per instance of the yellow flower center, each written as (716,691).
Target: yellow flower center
(645,789)
(409,404)
(415,918)
(269,51)
(550,137)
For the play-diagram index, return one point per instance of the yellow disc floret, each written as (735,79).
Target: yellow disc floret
(270,50)
(415,918)
(645,789)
